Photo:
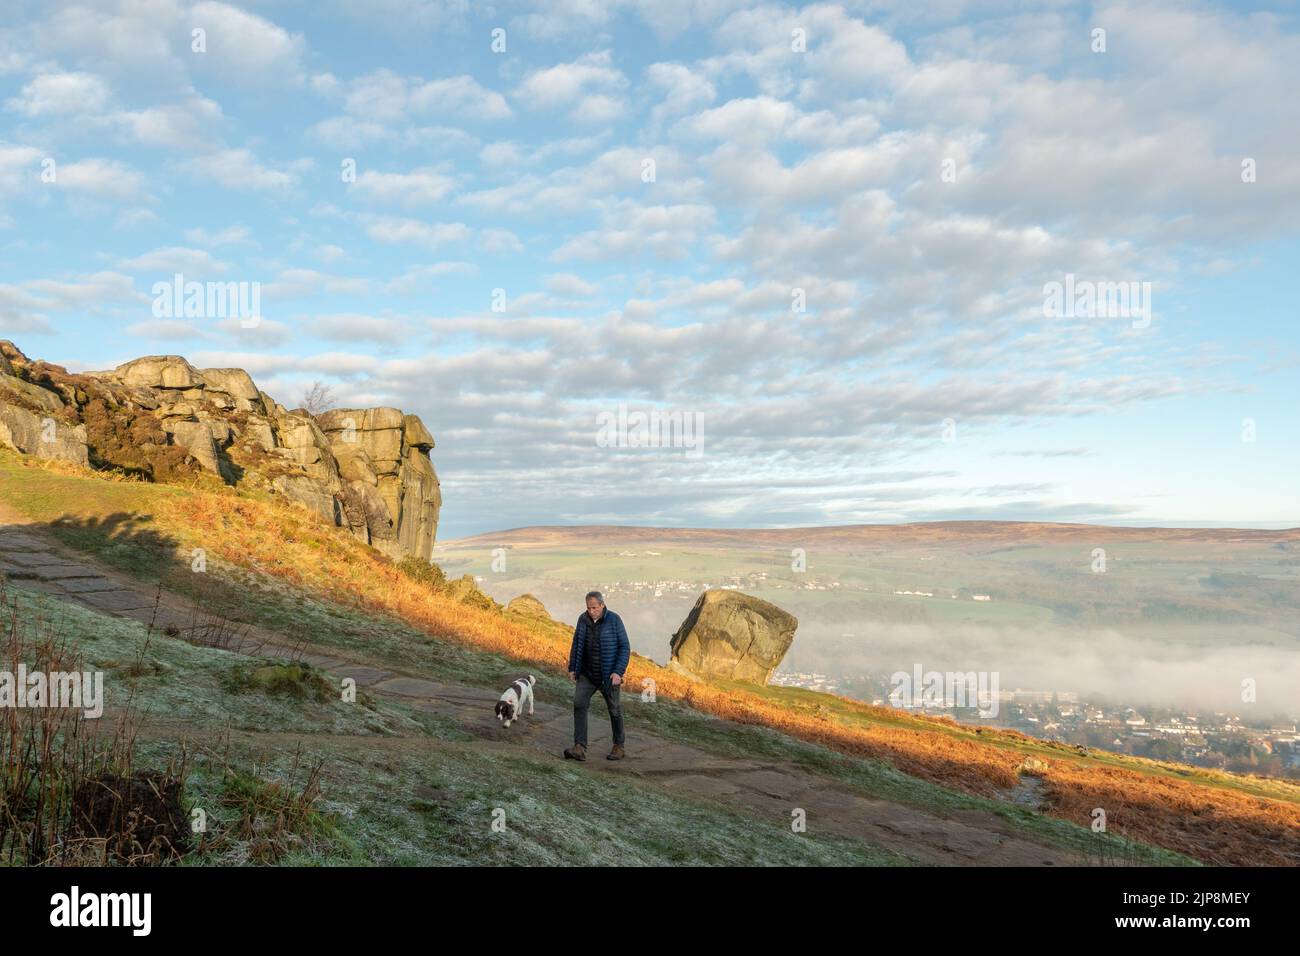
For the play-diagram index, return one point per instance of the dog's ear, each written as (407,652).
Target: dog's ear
(501,706)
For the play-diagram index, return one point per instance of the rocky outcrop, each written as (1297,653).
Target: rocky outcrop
(35,420)
(159,417)
(733,635)
(383,458)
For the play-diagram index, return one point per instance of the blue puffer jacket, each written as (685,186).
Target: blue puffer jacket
(614,647)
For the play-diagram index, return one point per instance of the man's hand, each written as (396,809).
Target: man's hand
(615,679)
(573,676)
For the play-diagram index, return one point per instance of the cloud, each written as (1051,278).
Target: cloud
(416,188)
(55,94)
(102,179)
(299,282)
(635,231)
(19,166)
(385,106)
(567,284)
(168,260)
(230,236)
(421,279)
(240,169)
(168,330)
(356,327)
(591,86)
(25,307)
(245,48)
(414,232)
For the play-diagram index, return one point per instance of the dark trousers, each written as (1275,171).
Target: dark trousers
(582,701)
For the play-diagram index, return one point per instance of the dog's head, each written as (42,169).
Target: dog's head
(505,710)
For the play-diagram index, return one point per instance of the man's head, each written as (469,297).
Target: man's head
(595,605)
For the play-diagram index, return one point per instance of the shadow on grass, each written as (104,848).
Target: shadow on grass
(128,542)
(125,540)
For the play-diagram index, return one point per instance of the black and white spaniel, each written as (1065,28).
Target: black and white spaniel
(511,705)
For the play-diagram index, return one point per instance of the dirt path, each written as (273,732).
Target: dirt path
(769,790)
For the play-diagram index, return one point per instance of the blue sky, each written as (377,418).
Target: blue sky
(776,169)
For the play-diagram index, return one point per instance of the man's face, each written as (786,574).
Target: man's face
(595,609)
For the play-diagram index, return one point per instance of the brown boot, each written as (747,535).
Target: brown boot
(616,754)
(576,752)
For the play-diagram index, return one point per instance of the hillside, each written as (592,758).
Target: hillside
(931,532)
(415,770)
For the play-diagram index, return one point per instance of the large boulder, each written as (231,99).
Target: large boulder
(42,435)
(733,635)
(159,371)
(196,438)
(233,384)
(307,492)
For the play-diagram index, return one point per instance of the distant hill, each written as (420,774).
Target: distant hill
(866,534)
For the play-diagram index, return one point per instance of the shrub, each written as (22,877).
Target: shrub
(424,572)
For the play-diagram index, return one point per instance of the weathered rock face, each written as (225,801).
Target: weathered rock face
(733,635)
(367,470)
(383,458)
(33,420)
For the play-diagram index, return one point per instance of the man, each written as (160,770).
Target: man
(597,660)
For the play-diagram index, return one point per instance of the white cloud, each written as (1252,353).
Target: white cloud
(460,96)
(293,283)
(101,178)
(231,235)
(246,49)
(357,327)
(241,169)
(55,94)
(168,260)
(421,279)
(415,232)
(168,330)
(383,105)
(682,90)
(636,231)
(591,85)
(190,124)
(568,284)
(19,166)
(416,188)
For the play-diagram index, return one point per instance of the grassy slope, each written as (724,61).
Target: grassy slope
(44,495)
(399,787)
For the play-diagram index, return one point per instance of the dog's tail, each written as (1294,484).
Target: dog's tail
(531,680)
